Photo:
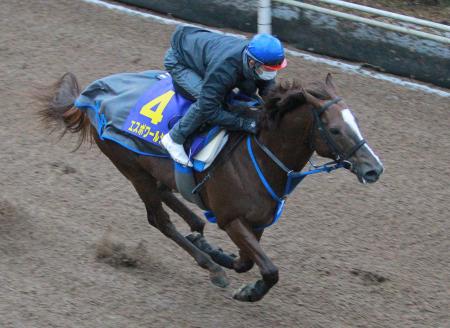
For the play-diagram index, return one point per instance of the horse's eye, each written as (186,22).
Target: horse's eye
(335,131)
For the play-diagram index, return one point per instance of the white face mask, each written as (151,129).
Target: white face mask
(266,75)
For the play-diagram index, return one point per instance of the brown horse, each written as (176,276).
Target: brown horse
(294,123)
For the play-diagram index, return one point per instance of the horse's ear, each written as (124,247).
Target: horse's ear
(311,99)
(330,85)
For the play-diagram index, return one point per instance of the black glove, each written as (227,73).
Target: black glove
(249,125)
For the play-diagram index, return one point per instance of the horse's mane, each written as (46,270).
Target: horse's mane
(288,95)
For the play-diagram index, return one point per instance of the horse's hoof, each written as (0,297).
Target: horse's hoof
(194,237)
(223,259)
(249,293)
(219,279)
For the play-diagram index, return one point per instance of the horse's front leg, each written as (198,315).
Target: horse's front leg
(248,243)
(241,264)
(244,263)
(217,254)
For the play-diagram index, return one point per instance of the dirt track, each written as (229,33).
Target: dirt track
(349,255)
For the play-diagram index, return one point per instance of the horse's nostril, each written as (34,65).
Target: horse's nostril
(371,176)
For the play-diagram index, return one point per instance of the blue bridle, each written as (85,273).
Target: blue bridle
(293,177)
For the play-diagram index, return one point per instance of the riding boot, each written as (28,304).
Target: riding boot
(176,151)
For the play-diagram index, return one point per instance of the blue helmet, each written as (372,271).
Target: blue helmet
(267,50)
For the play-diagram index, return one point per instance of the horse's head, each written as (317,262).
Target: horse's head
(337,136)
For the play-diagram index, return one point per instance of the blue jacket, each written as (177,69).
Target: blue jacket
(220,60)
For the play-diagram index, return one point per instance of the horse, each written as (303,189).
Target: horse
(253,176)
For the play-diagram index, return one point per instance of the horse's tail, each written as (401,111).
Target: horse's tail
(59,112)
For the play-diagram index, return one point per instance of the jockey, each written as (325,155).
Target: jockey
(205,67)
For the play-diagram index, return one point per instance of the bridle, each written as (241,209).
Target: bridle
(293,178)
(339,155)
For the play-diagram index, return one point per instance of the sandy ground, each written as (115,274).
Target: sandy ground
(349,255)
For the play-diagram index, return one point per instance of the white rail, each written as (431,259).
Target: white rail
(367,21)
(385,13)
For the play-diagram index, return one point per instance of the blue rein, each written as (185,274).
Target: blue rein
(293,177)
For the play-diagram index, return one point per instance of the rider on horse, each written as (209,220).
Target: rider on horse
(205,67)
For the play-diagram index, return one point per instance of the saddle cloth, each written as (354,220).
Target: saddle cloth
(137,109)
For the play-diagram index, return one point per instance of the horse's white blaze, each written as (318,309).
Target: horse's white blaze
(350,120)
(373,154)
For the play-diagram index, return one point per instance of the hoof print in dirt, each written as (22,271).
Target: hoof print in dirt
(7,210)
(10,213)
(63,167)
(136,60)
(369,278)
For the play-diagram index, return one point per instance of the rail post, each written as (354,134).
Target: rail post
(264,17)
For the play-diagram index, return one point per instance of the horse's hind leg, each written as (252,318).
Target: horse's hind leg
(197,225)
(147,189)
(159,218)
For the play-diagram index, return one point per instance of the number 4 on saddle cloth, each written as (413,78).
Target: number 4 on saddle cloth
(157,111)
